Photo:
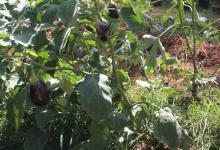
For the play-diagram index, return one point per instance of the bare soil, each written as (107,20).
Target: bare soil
(208,53)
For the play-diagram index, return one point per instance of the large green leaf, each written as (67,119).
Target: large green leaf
(118,119)
(40,40)
(122,76)
(43,117)
(25,38)
(96,97)
(100,135)
(48,14)
(155,48)
(66,86)
(133,20)
(16,107)
(35,139)
(66,10)
(168,130)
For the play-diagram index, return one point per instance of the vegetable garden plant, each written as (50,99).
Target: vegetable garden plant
(62,84)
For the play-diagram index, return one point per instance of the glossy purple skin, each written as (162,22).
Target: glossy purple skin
(113,13)
(39,93)
(102,28)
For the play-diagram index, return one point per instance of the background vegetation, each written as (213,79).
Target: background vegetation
(81,74)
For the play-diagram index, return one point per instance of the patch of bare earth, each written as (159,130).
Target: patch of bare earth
(208,54)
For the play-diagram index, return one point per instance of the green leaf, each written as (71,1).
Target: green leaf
(3,23)
(31,52)
(122,76)
(96,97)
(179,13)
(24,38)
(168,12)
(133,20)
(170,60)
(156,51)
(15,108)
(67,10)
(151,61)
(4,35)
(43,117)
(100,135)
(35,139)
(2,69)
(62,102)
(118,119)
(147,42)
(167,126)
(49,14)
(40,40)
(66,86)
(4,43)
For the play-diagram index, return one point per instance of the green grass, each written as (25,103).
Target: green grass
(201,119)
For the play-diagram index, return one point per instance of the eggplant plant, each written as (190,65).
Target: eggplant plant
(76,96)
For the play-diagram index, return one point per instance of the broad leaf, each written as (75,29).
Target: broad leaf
(16,107)
(25,38)
(35,139)
(133,20)
(167,126)
(67,10)
(118,120)
(43,117)
(96,97)
(66,86)
(100,135)
(122,76)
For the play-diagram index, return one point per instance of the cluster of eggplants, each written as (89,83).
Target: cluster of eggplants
(39,93)
(113,12)
(102,30)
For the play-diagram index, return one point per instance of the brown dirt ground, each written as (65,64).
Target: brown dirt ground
(208,54)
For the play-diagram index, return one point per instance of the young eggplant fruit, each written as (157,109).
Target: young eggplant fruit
(113,12)
(102,30)
(39,93)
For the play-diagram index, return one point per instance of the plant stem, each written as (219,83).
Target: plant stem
(182,24)
(193,49)
(96,2)
(116,82)
(194,86)
(59,68)
(114,71)
(170,27)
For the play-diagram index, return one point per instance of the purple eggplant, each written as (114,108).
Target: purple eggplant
(113,12)
(39,93)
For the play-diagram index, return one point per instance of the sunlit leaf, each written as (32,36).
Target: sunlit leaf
(96,97)
(66,86)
